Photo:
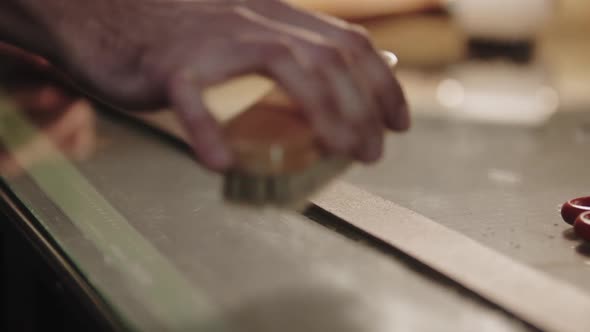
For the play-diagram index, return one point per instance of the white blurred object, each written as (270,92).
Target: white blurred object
(499,92)
(502,19)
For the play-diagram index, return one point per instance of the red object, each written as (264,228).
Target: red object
(570,210)
(582,226)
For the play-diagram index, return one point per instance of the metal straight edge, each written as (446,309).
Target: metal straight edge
(537,298)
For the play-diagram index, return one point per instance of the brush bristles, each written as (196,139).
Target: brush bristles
(283,190)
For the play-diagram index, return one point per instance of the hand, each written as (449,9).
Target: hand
(149,54)
(60,115)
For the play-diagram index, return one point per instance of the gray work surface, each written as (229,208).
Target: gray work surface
(265,271)
(500,185)
(260,271)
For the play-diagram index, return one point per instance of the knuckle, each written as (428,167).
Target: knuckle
(327,55)
(274,48)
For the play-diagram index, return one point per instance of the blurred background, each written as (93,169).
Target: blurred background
(504,61)
(511,62)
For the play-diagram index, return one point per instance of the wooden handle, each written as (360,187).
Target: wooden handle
(272,138)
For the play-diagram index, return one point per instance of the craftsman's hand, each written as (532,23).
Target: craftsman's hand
(59,114)
(154,53)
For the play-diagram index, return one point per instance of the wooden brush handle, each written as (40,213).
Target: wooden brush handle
(272,137)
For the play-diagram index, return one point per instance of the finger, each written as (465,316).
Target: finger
(385,87)
(77,117)
(353,104)
(203,131)
(353,101)
(313,91)
(274,58)
(354,41)
(81,144)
